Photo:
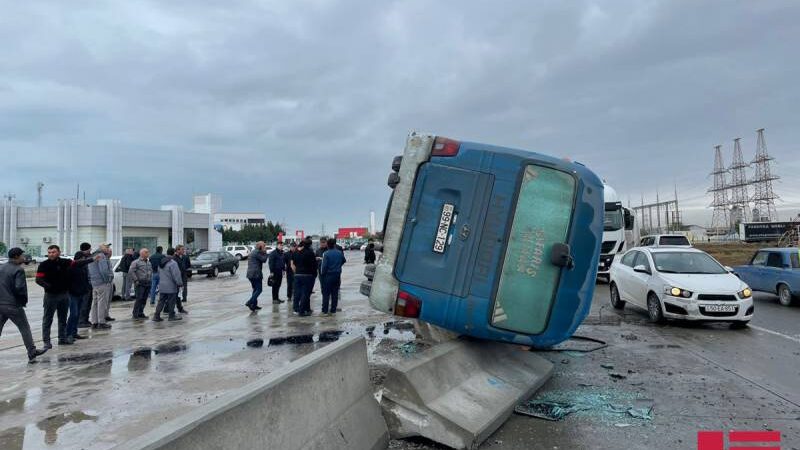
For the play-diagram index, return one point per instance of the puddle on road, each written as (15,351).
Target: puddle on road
(12,438)
(399,331)
(20,404)
(45,430)
(99,365)
(52,424)
(14,405)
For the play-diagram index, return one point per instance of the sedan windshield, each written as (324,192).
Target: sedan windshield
(207,256)
(687,262)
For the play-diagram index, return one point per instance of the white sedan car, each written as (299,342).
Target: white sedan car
(680,283)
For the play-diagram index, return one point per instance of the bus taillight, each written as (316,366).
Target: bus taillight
(407,305)
(443,146)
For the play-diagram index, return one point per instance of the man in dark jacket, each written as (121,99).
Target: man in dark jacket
(14,297)
(276,268)
(330,273)
(369,254)
(323,247)
(53,276)
(123,266)
(79,289)
(155,261)
(171,281)
(304,264)
(184,265)
(255,264)
(86,304)
(287,265)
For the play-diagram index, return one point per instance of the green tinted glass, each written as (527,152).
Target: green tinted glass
(528,281)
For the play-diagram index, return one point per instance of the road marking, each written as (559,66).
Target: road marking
(766,330)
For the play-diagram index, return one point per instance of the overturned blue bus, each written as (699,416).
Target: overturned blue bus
(490,242)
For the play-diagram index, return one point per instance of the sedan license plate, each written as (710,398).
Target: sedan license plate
(440,242)
(720,308)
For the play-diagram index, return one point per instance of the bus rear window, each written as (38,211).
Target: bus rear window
(528,280)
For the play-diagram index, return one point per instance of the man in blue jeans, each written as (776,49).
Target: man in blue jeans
(304,263)
(255,265)
(155,261)
(330,273)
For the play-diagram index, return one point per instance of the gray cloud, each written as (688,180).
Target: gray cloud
(297,108)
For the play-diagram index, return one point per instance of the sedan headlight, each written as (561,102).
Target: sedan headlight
(206,266)
(745,293)
(677,292)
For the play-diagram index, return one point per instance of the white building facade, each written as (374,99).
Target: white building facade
(70,223)
(235,221)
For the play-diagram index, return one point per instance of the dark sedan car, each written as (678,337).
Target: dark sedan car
(212,263)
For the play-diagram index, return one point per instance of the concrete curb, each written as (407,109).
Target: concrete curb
(459,392)
(323,400)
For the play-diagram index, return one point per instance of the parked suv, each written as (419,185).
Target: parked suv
(665,240)
(239,252)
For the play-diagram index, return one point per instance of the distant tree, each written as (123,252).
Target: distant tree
(3,248)
(253,233)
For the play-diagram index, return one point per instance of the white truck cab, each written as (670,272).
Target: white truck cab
(619,231)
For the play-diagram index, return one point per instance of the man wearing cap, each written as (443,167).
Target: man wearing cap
(78,289)
(14,298)
(101,277)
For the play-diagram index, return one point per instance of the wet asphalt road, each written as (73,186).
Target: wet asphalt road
(122,382)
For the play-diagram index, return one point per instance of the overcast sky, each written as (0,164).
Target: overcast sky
(296,108)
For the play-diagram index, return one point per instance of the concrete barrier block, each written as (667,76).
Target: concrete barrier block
(323,400)
(459,392)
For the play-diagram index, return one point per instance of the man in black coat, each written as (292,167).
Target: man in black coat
(124,266)
(184,264)
(369,254)
(287,263)
(79,289)
(276,268)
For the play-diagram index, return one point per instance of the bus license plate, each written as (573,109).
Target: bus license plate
(720,308)
(444,228)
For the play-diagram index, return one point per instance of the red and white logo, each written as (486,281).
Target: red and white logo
(739,440)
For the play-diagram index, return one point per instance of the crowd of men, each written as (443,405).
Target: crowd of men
(79,291)
(302,266)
